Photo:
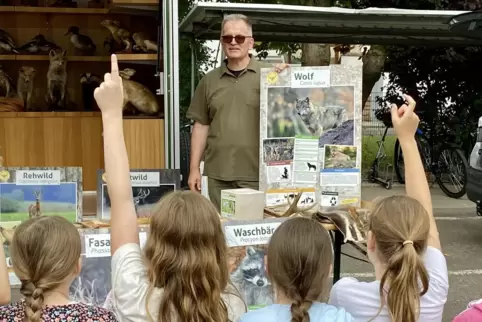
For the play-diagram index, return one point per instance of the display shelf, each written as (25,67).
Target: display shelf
(7,57)
(120,57)
(7,8)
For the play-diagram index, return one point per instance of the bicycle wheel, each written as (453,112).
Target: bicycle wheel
(398,163)
(452,171)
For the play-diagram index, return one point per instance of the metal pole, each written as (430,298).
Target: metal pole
(175,84)
(159,63)
(193,68)
(193,75)
(168,119)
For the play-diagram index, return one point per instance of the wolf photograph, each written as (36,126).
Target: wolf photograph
(21,202)
(326,113)
(275,150)
(249,276)
(340,157)
(144,198)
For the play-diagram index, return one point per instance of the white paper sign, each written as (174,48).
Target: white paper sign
(145,179)
(250,234)
(37,177)
(310,78)
(329,199)
(98,245)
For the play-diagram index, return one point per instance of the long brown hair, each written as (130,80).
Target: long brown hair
(186,255)
(45,250)
(299,264)
(401,226)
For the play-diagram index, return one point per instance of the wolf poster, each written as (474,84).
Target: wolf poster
(148,186)
(94,283)
(28,192)
(302,110)
(247,242)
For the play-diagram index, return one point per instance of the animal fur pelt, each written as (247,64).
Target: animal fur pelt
(352,222)
(11,105)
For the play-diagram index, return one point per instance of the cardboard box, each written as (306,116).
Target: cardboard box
(242,204)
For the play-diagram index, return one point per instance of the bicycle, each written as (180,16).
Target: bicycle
(374,175)
(439,158)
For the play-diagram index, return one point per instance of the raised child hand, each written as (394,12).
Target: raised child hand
(405,121)
(110,94)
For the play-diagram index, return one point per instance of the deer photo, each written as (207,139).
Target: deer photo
(34,210)
(141,195)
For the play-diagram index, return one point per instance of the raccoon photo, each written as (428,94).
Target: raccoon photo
(251,279)
(319,118)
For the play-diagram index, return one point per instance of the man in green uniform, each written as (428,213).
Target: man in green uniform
(225,110)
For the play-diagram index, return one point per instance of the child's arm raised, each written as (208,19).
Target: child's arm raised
(110,98)
(405,123)
(5,292)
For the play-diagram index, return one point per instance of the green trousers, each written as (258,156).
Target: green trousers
(215,186)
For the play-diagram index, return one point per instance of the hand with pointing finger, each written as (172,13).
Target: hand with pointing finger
(110,94)
(405,121)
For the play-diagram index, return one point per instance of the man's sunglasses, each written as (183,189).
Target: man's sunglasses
(237,39)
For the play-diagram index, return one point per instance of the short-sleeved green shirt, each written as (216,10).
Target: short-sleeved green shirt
(230,106)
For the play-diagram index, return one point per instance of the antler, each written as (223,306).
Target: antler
(141,194)
(145,193)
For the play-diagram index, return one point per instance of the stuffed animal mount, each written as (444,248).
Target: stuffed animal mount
(138,95)
(122,36)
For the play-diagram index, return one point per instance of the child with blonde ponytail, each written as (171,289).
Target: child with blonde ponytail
(299,266)
(45,253)
(403,245)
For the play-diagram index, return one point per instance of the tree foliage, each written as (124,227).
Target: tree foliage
(202,55)
(443,80)
(444,83)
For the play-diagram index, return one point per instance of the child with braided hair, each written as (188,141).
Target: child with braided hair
(5,292)
(45,253)
(299,265)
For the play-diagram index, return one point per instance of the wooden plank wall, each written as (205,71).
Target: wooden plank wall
(75,139)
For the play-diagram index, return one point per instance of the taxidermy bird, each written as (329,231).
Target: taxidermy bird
(110,44)
(7,234)
(120,35)
(81,42)
(364,52)
(137,94)
(61,3)
(142,43)
(6,42)
(38,44)
(89,83)
(6,83)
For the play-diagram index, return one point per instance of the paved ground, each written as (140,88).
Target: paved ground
(461,233)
